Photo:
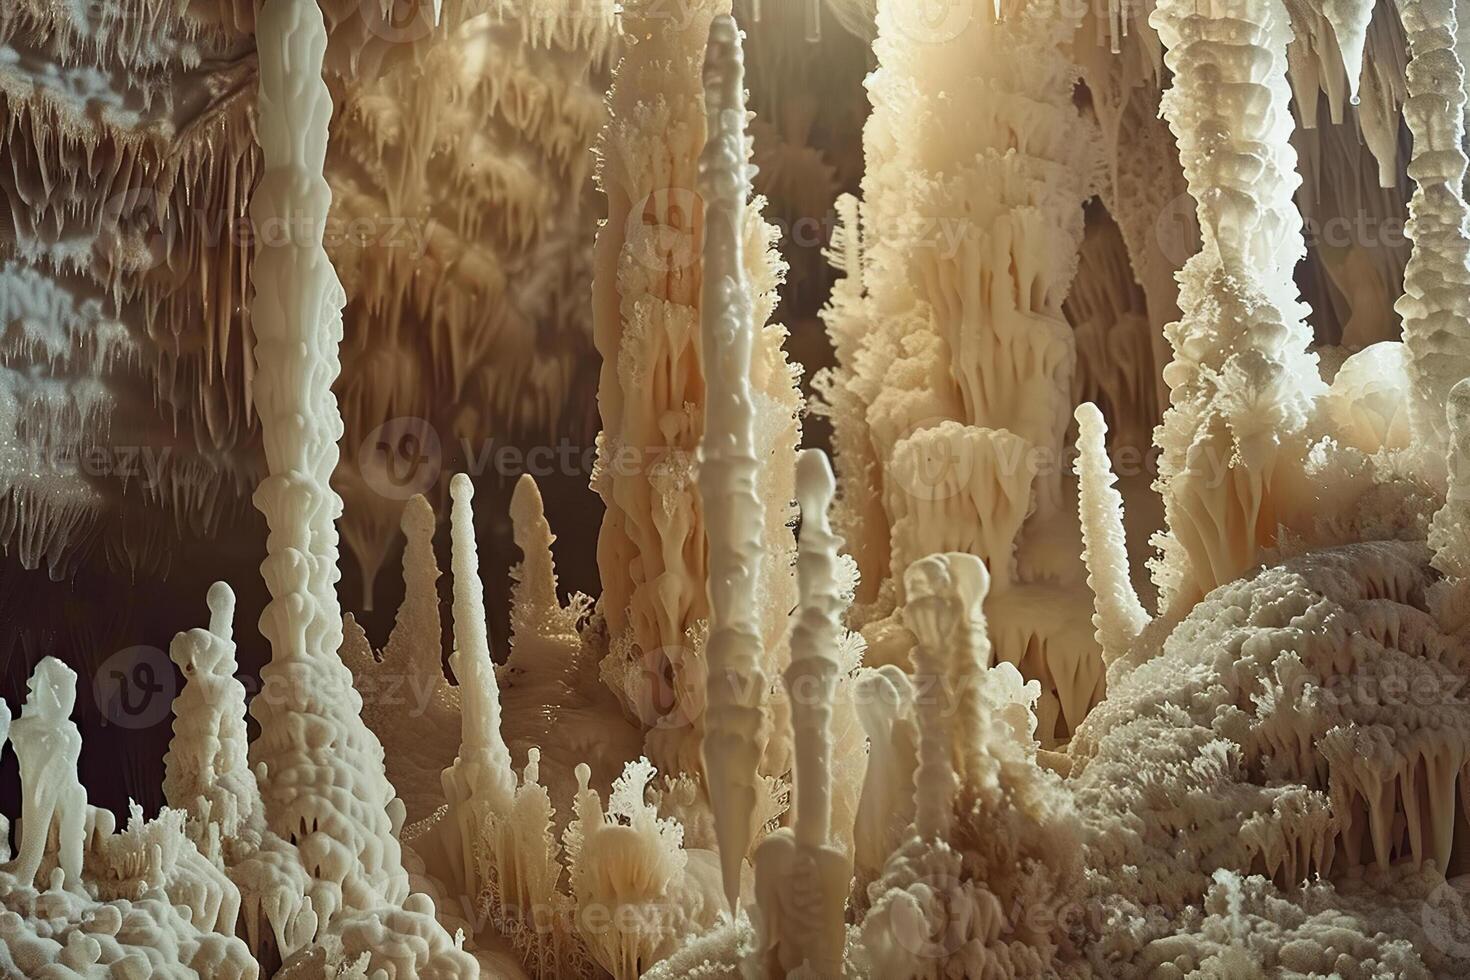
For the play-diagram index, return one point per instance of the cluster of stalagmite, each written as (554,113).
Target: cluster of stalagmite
(648,299)
(953,390)
(79,896)
(708,772)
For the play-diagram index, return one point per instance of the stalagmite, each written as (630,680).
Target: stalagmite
(320,768)
(535,607)
(407,701)
(324,784)
(989,850)
(48,745)
(945,610)
(733,737)
(802,880)
(552,694)
(811,680)
(1118,616)
(1435,307)
(932,613)
(207,768)
(629,866)
(886,708)
(484,750)
(481,777)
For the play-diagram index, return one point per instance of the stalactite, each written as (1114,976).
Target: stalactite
(1109,313)
(734,734)
(130,127)
(859,516)
(1241,383)
(653,390)
(1434,305)
(1349,20)
(952,393)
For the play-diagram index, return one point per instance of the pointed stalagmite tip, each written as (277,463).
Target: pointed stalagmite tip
(417,514)
(814,478)
(221,600)
(525,502)
(723,32)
